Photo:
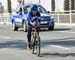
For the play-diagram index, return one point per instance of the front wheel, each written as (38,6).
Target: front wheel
(14,27)
(38,47)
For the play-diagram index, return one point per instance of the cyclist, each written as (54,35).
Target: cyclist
(33,13)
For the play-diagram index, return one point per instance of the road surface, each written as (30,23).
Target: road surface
(55,45)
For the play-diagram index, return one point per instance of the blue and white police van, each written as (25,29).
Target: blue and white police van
(19,17)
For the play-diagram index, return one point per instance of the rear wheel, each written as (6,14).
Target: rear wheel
(14,27)
(33,46)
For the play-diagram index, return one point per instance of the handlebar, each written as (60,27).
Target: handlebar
(35,26)
(35,18)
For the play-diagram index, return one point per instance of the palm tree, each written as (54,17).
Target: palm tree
(66,5)
(72,4)
(53,5)
(9,6)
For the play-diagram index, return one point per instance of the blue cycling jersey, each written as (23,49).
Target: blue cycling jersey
(30,15)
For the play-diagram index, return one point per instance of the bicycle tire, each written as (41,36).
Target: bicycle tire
(33,46)
(38,47)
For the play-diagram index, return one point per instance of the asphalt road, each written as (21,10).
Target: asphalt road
(55,45)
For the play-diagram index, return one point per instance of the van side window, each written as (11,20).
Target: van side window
(20,11)
(26,9)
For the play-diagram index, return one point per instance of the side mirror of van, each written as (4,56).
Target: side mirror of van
(48,11)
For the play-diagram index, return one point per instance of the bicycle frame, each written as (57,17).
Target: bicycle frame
(35,34)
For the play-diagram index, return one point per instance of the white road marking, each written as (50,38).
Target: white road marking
(61,47)
(5,37)
(65,32)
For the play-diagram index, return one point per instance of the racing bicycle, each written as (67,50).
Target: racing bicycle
(35,38)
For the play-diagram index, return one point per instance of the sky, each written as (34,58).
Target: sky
(59,4)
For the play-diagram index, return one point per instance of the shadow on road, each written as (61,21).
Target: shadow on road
(62,29)
(66,42)
(54,55)
(17,44)
(56,29)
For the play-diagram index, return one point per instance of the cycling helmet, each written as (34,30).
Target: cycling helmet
(34,7)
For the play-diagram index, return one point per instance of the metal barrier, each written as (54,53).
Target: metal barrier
(5,18)
(60,19)
(64,19)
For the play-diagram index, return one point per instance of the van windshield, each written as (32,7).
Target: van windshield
(42,10)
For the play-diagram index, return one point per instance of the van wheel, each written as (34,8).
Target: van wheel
(51,28)
(14,27)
